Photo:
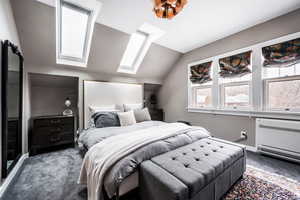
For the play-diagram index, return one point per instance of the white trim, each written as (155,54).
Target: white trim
(233,84)
(266,83)
(248,113)
(250,148)
(14,172)
(93,7)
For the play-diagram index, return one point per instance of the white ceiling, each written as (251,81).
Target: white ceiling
(200,22)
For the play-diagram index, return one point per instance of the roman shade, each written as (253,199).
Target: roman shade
(201,73)
(236,65)
(283,54)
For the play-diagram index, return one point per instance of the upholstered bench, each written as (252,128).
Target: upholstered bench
(204,170)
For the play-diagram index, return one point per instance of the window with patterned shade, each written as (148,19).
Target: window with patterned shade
(236,65)
(281,74)
(283,54)
(235,80)
(201,73)
(201,84)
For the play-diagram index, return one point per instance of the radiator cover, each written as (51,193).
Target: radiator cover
(279,138)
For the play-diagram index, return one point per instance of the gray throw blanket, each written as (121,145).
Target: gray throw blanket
(102,157)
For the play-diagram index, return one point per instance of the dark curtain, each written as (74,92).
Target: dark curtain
(283,54)
(201,73)
(236,65)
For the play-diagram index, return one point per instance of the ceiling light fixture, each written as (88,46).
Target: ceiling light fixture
(168,8)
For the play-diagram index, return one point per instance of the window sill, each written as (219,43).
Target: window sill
(247,113)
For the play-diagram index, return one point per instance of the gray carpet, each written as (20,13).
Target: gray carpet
(50,176)
(53,176)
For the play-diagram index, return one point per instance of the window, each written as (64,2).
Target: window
(201,84)
(262,80)
(74,25)
(137,47)
(235,81)
(134,48)
(202,96)
(74,31)
(236,95)
(282,88)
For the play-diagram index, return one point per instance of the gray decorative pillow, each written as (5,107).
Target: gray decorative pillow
(142,115)
(106,119)
(127,118)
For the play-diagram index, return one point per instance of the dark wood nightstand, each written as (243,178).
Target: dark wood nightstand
(156,114)
(51,132)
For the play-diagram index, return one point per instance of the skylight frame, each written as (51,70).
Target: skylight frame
(151,34)
(89,7)
(87,31)
(138,57)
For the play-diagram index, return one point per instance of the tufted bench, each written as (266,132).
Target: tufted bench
(203,170)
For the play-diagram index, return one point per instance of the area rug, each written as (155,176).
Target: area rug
(258,184)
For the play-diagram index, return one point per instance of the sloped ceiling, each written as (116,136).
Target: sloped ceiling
(36,27)
(201,22)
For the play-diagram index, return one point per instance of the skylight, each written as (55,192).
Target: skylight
(134,47)
(74,28)
(74,25)
(137,47)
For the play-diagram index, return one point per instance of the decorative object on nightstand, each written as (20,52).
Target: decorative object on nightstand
(51,132)
(68,111)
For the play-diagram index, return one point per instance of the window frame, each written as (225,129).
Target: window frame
(138,57)
(266,83)
(193,94)
(87,32)
(257,88)
(232,84)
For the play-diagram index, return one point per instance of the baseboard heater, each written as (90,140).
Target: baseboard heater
(278,138)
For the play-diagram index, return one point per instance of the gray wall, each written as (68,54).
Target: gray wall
(8,31)
(54,90)
(36,27)
(173,95)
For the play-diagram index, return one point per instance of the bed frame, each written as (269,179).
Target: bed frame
(98,94)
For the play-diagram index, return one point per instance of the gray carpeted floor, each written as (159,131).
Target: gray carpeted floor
(50,176)
(53,176)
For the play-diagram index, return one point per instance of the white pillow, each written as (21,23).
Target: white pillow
(109,108)
(128,107)
(126,118)
(142,115)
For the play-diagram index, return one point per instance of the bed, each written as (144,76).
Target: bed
(113,154)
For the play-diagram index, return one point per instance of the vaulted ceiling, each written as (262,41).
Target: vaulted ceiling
(201,22)
(36,27)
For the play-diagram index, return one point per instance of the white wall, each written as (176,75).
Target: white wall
(8,31)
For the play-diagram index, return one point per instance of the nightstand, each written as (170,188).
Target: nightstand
(156,114)
(51,132)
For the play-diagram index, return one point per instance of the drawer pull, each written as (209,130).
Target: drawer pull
(56,130)
(55,139)
(55,121)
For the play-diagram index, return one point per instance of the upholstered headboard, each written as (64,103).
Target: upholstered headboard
(101,94)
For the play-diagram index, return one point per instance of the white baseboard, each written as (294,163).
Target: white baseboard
(12,174)
(251,148)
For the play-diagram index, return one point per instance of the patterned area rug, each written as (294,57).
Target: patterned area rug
(261,185)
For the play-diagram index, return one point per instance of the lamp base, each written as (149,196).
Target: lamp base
(68,112)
